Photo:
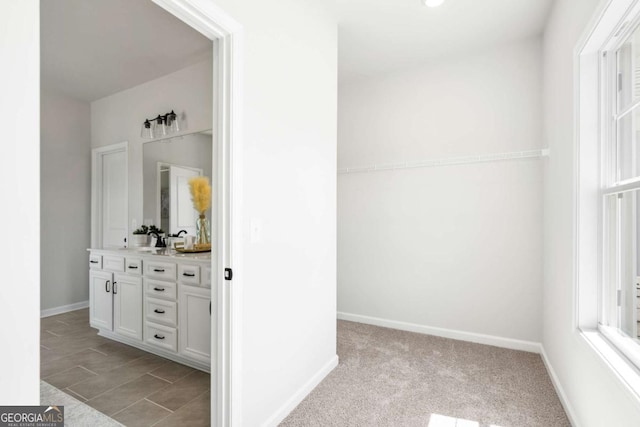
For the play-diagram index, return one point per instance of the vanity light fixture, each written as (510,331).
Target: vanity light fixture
(432,3)
(161,126)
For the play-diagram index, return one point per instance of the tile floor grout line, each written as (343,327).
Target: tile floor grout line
(53,333)
(98,351)
(157,404)
(45,347)
(77,394)
(160,378)
(127,407)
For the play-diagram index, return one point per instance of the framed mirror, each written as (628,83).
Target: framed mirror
(168,165)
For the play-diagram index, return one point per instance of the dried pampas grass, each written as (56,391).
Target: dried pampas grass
(200,193)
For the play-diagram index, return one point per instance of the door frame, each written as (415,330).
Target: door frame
(159,166)
(97,155)
(227,36)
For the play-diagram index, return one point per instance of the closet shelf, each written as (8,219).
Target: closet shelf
(484,158)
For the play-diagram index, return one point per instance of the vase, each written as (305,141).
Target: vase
(203,231)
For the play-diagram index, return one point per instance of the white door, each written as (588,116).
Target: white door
(127,306)
(194,309)
(182,215)
(113,199)
(101,300)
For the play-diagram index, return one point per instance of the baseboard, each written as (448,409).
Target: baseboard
(568,409)
(64,309)
(303,392)
(514,344)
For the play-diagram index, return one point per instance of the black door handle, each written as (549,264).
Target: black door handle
(158,311)
(93,262)
(107,288)
(115,288)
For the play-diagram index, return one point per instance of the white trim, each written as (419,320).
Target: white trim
(302,392)
(96,188)
(64,309)
(510,343)
(450,161)
(564,400)
(228,54)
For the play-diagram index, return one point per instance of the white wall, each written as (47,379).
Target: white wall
(65,199)
(289,179)
(20,189)
(119,117)
(455,247)
(596,397)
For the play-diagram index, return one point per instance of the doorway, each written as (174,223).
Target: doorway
(215,25)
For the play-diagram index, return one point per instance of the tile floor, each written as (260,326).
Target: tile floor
(127,384)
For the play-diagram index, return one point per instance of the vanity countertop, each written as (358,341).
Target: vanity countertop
(203,257)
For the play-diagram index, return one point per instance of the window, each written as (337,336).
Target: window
(619,213)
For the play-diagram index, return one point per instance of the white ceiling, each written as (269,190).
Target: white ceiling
(94,48)
(381,36)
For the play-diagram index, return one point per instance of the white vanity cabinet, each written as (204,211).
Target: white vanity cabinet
(195,322)
(159,303)
(115,298)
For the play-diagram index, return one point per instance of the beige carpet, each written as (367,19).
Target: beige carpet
(394,378)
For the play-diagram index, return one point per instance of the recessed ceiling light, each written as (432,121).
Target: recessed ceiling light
(432,3)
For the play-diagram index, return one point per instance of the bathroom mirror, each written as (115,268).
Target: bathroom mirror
(168,165)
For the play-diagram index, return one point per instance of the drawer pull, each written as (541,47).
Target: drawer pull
(159,270)
(158,311)
(159,289)
(107,288)
(158,337)
(189,274)
(115,288)
(133,267)
(93,261)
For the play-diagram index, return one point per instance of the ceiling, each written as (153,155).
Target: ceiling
(382,36)
(91,49)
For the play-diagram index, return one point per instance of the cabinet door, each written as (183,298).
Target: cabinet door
(195,322)
(101,300)
(127,306)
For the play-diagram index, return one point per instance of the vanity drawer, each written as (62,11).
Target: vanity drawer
(134,266)
(113,263)
(161,311)
(189,274)
(160,270)
(161,336)
(158,289)
(95,262)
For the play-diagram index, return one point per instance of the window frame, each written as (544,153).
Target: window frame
(610,24)
(611,185)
